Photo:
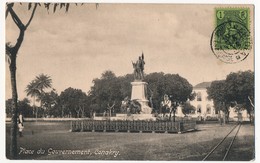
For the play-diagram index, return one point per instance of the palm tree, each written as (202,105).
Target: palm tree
(33,92)
(36,89)
(43,82)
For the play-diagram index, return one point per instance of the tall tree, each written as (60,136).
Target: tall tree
(217,93)
(50,102)
(43,82)
(236,91)
(74,102)
(23,106)
(32,91)
(37,89)
(240,89)
(177,87)
(106,90)
(11,53)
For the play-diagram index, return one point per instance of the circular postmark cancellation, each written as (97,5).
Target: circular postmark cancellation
(231,45)
(230,41)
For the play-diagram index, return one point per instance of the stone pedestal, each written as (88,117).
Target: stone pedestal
(139,93)
(179,112)
(135,117)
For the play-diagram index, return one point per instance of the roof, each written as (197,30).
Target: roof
(202,85)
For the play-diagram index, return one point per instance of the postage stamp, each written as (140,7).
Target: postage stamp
(230,40)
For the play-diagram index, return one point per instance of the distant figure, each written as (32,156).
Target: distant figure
(125,104)
(20,124)
(139,68)
(166,105)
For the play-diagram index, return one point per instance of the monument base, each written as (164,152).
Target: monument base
(139,93)
(179,112)
(126,117)
(134,117)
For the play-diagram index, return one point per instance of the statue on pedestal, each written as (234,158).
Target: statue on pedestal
(139,68)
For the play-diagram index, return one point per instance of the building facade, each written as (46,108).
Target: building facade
(204,106)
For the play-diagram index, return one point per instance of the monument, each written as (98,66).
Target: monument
(139,87)
(136,107)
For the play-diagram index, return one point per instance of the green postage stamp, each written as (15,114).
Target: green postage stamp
(231,41)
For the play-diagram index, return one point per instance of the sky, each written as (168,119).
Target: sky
(76,47)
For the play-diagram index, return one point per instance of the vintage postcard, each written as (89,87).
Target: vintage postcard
(129,81)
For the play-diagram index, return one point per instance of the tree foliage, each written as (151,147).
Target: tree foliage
(106,90)
(236,90)
(38,86)
(217,93)
(23,107)
(74,102)
(177,87)
(37,89)
(240,86)
(188,108)
(50,103)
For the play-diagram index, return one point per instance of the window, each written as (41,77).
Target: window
(199,109)
(208,109)
(216,111)
(192,111)
(199,96)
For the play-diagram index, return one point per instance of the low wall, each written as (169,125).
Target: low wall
(48,119)
(132,126)
(125,117)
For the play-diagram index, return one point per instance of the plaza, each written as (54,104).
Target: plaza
(54,141)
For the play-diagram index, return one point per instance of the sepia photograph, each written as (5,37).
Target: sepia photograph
(129,81)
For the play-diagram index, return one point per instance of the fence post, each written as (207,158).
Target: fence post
(140,126)
(128,126)
(105,127)
(153,126)
(93,126)
(165,127)
(116,128)
(179,132)
(71,127)
(82,126)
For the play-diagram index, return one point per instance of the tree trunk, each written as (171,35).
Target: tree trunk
(12,67)
(34,114)
(13,146)
(62,112)
(82,112)
(78,114)
(81,109)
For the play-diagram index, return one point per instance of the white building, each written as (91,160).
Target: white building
(204,106)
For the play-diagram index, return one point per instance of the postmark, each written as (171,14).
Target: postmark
(230,40)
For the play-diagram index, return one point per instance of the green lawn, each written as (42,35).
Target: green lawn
(49,140)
